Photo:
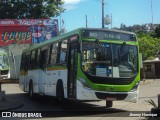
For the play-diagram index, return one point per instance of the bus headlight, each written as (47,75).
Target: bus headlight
(135,87)
(84,83)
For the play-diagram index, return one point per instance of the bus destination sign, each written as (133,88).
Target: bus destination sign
(108,35)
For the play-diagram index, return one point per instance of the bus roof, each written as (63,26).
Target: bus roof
(73,32)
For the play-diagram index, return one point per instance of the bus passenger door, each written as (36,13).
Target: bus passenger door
(42,72)
(72,70)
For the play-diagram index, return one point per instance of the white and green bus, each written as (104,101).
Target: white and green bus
(84,64)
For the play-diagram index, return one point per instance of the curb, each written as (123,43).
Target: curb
(9,105)
(9,81)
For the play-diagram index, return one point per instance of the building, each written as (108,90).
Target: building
(19,34)
(152,68)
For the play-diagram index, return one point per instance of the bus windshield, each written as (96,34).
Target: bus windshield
(4,61)
(109,60)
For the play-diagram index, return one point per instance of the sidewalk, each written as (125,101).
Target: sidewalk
(6,104)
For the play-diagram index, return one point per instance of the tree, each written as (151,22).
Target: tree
(156,32)
(148,46)
(15,9)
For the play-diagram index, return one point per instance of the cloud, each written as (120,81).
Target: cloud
(71,1)
(69,7)
(71,4)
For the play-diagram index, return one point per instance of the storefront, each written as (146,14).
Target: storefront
(151,69)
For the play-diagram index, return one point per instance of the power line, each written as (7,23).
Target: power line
(152,12)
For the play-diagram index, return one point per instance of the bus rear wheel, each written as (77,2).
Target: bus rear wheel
(31,93)
(109,104)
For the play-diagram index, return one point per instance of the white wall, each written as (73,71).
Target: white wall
(15,52)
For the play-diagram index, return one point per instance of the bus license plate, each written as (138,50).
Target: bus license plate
(111,98)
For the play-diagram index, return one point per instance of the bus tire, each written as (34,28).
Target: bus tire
(60,95)
(109,104)
(31,92)
(60,91)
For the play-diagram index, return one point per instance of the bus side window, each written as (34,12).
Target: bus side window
(63,51)
(27,65)
(44,57)
(33,58)
(38,57)
(23,62)
(53,53)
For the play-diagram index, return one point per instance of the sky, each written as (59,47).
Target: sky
(128,12)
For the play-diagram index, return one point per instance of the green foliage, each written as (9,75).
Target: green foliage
(11,9)
(148,46)
(156,32)
(149,41)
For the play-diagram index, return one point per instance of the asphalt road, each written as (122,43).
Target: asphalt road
(86,110)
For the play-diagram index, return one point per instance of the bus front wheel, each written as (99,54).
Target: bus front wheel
(60,91)
(60,95)
(109,104)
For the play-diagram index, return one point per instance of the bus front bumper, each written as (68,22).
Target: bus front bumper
(114,96)
(90,94)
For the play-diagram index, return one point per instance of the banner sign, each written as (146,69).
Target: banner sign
(27,31)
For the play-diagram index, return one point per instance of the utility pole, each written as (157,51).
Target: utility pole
(111,21)
(152,13)
(86,22)
(102,13)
